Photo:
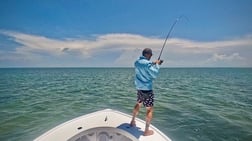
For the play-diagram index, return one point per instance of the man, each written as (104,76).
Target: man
(146,71)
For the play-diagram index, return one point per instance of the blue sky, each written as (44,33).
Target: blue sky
(112,33)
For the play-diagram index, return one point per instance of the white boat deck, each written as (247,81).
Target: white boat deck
(105,125)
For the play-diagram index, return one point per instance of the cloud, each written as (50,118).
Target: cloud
(228,60)
(120,49)
(223,57)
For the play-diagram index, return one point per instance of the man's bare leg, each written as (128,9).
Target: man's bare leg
(135,113)
(149,114)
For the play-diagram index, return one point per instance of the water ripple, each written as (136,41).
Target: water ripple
(190,104)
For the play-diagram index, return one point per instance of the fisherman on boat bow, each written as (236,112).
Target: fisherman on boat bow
(146,71)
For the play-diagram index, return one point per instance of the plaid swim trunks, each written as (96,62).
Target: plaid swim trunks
(145,97)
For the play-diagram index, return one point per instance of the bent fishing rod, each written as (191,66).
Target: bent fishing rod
(168,35)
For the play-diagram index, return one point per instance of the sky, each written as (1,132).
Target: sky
(113,33)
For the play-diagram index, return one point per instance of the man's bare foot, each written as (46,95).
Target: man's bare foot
(133,123)
(148,133)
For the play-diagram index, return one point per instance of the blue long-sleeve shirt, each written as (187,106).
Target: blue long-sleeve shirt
(146,72)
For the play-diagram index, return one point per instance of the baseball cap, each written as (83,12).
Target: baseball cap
(147,51)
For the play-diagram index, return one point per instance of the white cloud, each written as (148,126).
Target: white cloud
(223,57)
(227,60)
(122,49)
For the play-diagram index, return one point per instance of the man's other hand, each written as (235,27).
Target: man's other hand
(159,62)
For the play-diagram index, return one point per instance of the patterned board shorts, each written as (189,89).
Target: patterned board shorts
(145,97)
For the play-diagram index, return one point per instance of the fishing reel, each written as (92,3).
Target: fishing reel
(161,61)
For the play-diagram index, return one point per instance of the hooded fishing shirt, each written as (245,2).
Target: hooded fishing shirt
(146,72)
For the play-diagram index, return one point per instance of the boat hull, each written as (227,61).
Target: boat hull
(105,125)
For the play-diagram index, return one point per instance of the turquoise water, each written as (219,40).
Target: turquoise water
(191,104)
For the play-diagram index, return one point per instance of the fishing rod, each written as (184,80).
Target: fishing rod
(168,35)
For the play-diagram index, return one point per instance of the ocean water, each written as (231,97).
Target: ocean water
(191,104)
